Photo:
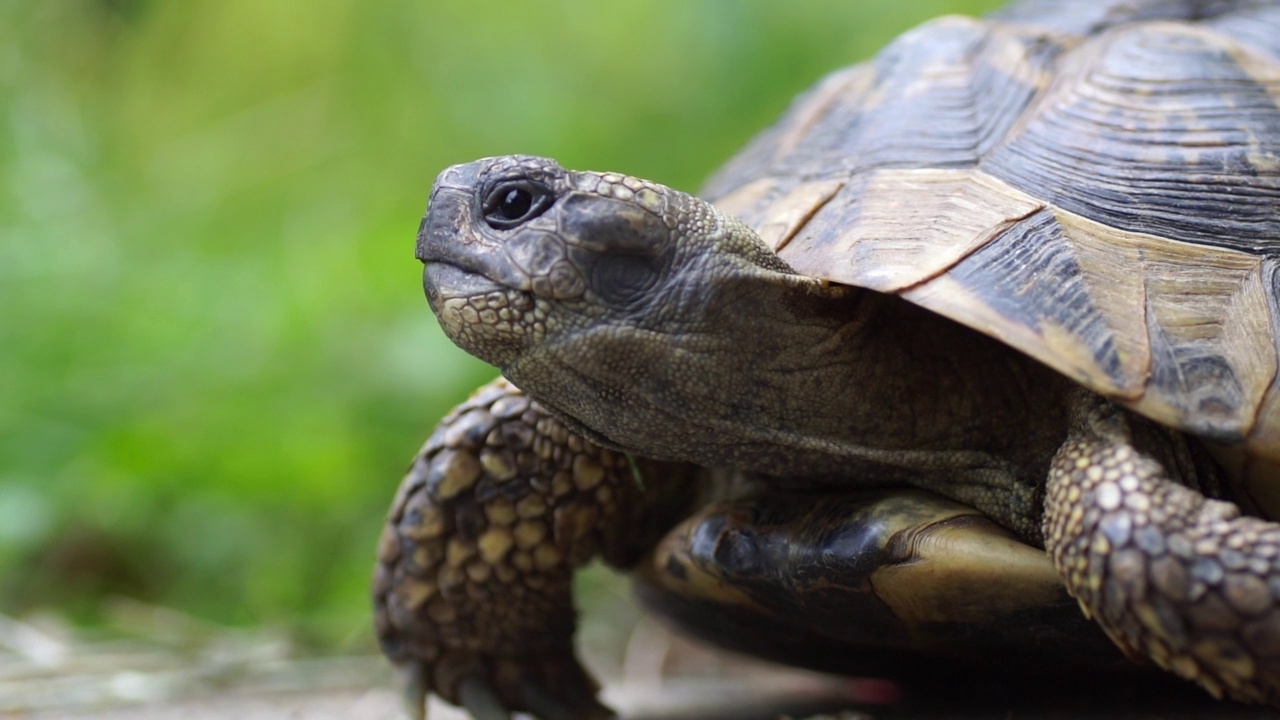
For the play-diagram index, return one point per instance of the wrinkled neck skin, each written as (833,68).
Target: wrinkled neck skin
(781,374)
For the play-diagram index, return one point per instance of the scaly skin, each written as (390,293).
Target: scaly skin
(472,587)
(1171,575)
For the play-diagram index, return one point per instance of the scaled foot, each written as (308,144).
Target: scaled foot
(472,589)
(1171,575)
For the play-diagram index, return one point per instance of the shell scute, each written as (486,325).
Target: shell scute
(1030,287)
(939,96)
(1158,129)
(1097,186)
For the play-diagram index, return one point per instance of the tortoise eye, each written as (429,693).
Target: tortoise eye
(513,203)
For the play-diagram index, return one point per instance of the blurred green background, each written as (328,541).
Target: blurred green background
(215,356)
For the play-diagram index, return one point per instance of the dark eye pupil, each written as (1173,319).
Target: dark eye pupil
(515,204)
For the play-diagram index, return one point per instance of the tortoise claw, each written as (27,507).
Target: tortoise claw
(575,704)
(416,688)
(481,700)
(547,690)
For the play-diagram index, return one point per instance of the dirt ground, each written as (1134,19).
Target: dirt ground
(171,666)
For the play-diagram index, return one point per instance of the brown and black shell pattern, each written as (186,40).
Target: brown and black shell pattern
(1096,184)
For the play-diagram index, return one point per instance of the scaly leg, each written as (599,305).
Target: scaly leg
(1171,575)
(472,589)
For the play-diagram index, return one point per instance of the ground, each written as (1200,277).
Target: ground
(171,666)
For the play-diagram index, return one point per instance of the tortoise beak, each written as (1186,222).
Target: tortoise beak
(447,213)
(460,260)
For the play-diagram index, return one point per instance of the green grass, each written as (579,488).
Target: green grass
(215,357)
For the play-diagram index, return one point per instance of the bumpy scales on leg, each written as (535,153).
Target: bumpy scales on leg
(472,590)
(1171,575)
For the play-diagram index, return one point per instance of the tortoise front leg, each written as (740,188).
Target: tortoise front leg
(1170,574)
(472,589)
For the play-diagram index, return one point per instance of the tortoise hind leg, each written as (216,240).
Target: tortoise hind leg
(1169,574)
(890,583)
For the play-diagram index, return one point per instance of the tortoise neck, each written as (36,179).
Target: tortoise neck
(834,374)
(783,374)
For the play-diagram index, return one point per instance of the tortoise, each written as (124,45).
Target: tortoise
(969,360)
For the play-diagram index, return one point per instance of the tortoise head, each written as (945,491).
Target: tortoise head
(523,254)
(637,313)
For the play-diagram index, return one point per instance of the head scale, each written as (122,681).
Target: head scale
(518,249)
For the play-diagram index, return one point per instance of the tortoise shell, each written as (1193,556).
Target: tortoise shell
(1095,184)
